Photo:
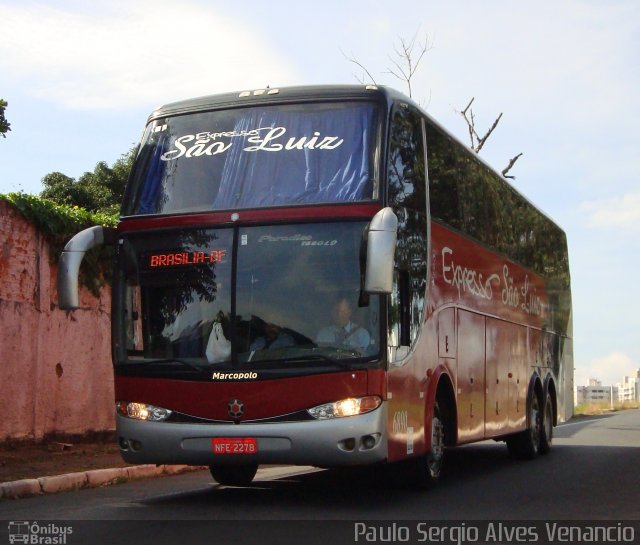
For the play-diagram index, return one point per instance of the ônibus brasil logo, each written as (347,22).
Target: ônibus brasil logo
(38,534)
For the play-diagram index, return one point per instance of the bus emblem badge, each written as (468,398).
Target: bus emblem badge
(236,408)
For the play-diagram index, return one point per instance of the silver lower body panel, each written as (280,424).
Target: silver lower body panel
(356,440)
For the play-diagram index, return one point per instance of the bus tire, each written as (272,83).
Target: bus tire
(234,475)
(525,445)
(429,466)
(546,435)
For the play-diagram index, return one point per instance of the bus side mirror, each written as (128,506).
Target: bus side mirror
(70,259)
(381,247)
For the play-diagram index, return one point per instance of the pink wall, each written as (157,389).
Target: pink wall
(55,366)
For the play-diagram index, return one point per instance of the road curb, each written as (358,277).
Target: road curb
(94,478)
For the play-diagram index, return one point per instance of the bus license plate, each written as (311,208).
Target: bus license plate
(234,445)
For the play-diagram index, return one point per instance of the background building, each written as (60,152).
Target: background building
(629,388)
(595,392)
(626,391)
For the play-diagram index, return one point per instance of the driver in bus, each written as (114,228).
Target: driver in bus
(344,332)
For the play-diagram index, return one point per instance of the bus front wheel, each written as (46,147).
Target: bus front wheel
(234,475)
(429,466)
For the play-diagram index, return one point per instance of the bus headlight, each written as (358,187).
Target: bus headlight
(351,406)
(142,411)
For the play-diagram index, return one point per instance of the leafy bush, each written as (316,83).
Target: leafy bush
(98,191)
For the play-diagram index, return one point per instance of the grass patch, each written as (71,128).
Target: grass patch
(601,408)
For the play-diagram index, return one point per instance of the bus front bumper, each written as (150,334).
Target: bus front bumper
(355,440)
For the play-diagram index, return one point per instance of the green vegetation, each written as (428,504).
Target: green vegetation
(97,191)
(67,206)
(58,223)
(5,126)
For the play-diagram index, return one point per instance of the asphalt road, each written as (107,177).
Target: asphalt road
(592,473)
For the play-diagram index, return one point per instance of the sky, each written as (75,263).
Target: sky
(82,77)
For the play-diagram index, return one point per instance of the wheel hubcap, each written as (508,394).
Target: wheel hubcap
(548,424)
(535,424)
(437,446)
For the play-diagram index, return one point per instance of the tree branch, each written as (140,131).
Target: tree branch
(512,162)
(355,61)
(477,142)
(482,140)
(470,120)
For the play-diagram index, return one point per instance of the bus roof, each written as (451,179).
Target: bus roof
(277,95)
(283,95)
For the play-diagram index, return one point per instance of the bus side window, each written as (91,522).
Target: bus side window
(406,194)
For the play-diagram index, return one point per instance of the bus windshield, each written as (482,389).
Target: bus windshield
(292,299)
(256,157)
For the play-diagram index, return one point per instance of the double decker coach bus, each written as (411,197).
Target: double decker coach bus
(324,276)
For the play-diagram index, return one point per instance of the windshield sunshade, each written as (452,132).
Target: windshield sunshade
(255,157)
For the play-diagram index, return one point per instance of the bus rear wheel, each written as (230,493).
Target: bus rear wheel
(546,435)
(526,444)
(234,475)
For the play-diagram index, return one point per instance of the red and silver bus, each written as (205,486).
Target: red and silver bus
(324,276)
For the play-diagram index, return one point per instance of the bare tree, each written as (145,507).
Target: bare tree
(355,61)
(477,141)
(408,54)
(404,63)
(407,59)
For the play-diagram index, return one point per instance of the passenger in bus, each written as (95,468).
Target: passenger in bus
(344,332)
(273,337)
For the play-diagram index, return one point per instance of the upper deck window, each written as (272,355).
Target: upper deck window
(256,157)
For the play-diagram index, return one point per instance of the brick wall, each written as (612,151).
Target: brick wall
(55,366)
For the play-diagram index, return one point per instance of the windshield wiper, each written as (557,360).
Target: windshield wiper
(316,357)
(161,361)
